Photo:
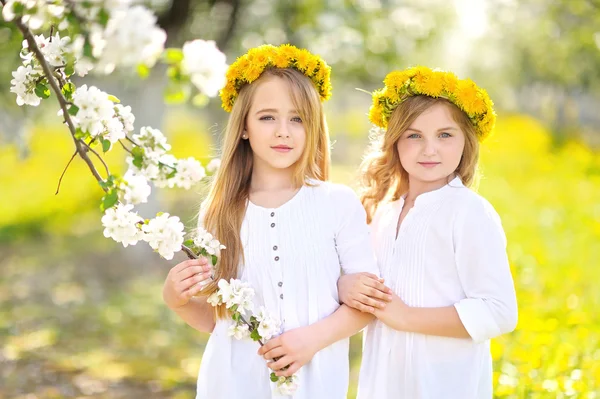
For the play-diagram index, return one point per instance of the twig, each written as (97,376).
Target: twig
(188,252)
(65,171)
(132,142)
(61,99)
(99,157)
(125,148)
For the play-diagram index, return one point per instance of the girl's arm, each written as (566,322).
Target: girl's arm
(490,305)
(297,347)
(182,283)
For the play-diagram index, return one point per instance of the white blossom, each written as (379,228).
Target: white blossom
(120,224)
(54,49)
(114,130)
(164,234)
(206,65)
(286,386)
(23,85)
(214,299)
(153,140)
(132,37)
(269,326)
(213,165)
(95,110)
(189,172)
(125,117)
(203,239)
(135,189)
(238,331)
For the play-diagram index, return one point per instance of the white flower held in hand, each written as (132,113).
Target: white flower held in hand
(237,297)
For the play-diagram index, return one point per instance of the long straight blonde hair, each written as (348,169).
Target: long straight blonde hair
(225,206)
(382,174)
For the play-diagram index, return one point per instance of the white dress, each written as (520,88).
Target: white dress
(294,255)
(450,251)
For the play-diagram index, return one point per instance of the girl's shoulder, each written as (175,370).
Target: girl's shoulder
(468,205)
(333,192)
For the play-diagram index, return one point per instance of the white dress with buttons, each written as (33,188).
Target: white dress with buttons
(293,258)
(450,251)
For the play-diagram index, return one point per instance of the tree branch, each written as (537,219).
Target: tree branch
(89,147)
(61,99)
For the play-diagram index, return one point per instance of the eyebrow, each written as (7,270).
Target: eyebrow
(274,111)
(439,130)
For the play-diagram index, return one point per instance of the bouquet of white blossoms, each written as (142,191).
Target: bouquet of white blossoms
(237,297)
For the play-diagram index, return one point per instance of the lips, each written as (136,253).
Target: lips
(429,164)
(282,148)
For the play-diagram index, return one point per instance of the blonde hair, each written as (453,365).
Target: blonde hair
(225,206)
(382,174)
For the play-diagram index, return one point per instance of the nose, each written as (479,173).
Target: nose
(283,130)
(429,148)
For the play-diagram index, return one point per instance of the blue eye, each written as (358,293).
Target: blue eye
(297,119)
(413,136)
(266,117)
(445,135)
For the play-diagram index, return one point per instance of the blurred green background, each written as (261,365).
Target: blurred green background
(82,317)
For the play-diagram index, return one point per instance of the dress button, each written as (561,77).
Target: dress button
(272,214)
(272,224)
(276,258)
(280,284)
(281,296)
(275,248)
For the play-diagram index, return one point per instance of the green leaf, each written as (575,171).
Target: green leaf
(188,243)
(235,317)
(18,7)
(143,71)
(69,70)
(87,48)
(80,134)
(173,55)
(255,335)
(114,99)
(138,156)
(73,110)
(273,377)
(42,91)
(105,145)
(174,73)
(172,174)
(214,259)
(103,17)
(109,200)
(68,90)
(234,308)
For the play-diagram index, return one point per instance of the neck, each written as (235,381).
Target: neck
(265,178)
(417,187)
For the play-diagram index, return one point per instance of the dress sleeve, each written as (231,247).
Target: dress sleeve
(490,306)
(352,234)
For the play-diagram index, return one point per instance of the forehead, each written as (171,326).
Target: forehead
(437,114)
(273,92)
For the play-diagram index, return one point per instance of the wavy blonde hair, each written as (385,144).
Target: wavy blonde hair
(225,206)
(382,174)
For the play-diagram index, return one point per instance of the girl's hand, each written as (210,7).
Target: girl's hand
(394,314)
(293,348)
(363,291)
(185,280)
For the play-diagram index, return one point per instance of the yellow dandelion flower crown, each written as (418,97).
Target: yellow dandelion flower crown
(247,68)
(399,85)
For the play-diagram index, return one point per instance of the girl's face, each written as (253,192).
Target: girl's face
(274,127)
(431,148)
